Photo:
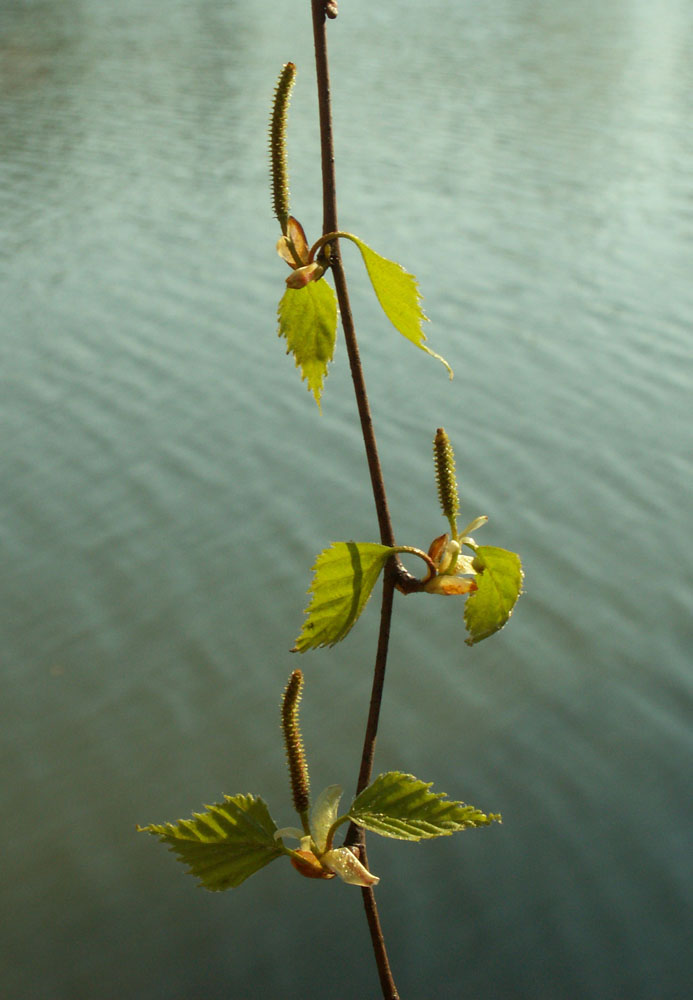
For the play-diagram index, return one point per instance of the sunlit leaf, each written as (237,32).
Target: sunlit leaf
(225,845)
(499,584)
(398,293)
(399,805)
(308,320)
(345,575)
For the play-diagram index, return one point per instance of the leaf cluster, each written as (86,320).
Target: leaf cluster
(232,840)
(308,315)
(346,573)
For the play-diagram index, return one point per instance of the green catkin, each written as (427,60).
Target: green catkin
(445,475)
(277,140)
(295,754)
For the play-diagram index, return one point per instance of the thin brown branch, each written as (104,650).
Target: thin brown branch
(377,689)
(387,983)
(330,225)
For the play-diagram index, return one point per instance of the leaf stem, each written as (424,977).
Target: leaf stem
(329,839)
(330,225)
(327,238)
(432,571)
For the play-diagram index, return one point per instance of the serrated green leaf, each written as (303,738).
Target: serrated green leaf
(399,805)
(398,293)
(308,320)
(345,575)
(225,845)
(499,584)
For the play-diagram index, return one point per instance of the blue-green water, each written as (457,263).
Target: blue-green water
(167,482)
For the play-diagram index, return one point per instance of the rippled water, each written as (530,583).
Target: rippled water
(167,482)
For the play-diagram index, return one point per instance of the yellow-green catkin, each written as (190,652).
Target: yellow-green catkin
(295,754)
(277,140)
(445,476)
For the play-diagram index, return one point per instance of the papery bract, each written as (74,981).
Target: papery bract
(448,585)
(343,862)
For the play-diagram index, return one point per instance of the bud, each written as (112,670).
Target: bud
(301,276)
(308,865)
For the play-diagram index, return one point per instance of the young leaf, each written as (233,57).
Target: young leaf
(398,293)
(499,583)
(308,320)
(225,845)
(323,815)
(345,575)
(399,805)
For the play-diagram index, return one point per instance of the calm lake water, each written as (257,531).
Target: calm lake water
(167,482)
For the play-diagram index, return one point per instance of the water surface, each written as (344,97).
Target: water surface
(168,481)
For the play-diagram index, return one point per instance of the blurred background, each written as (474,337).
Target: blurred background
(168,480)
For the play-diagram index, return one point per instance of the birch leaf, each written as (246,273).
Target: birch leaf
(399,805)
(499,584)
(398,293)
(308,320)
(345,575)
(225,845)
